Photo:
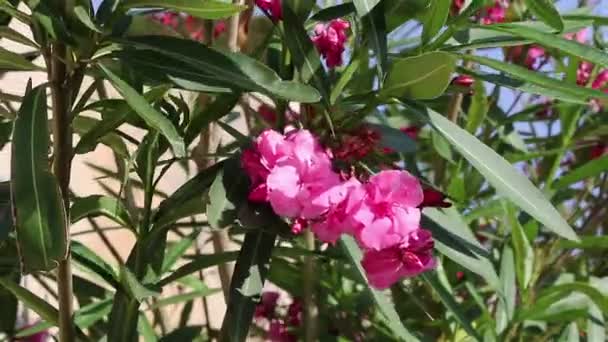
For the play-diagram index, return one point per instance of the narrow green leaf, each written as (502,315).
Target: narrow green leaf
(374,31)
(246,286)
(41,222)
(135,288)
(145,329)
(344,79)
(596,325)
(183,298)
(208,9)
(93,263)
(10,34)
(545,10)
(499,173)
(14,61)
(382,303)
(32,301)
(84,125)
(9,304)
(6,216)
(145,110)
(334,12)
(177,250)
(83,15)
(590,169)
(544,85)
(199,263)
(479,107)
(228,191)
(451,304)
(586,242)
(229,69)
(421,77)
(435,18)
(364,7)
(97,205)
(523,252)
(571,47)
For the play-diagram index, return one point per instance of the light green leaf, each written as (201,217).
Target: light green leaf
(364,7)
(499,173)
(93,263)
(208,9)
(145,110)
(31,301)
(523,252)
(41,222)
(134,287)
(435,18)
(183,298)
(97,205)
(387,309)
(421,77)
(545,10)
(9,33)
(590,169)
(479,107)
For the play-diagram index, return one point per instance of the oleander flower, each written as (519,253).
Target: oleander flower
(330,39)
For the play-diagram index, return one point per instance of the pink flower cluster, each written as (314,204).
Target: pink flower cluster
(280,329)
(495,13)
(272,8)
(294,173)
(329,40)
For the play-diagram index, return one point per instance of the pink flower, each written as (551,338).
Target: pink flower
(456,7)
(341,207)
(42,336)
(266,307)
(583,73)
(357,144)
(298,226)
(535,56)
(268,113)
(167,18)
(330,39)
(580,36)
(387,209)
(434,198)
(272,8)
(294,313)
(411,131)
(598,150)
(278,332)
(494,14)
(601,80)
(219,28)
(463,81)
(411,257)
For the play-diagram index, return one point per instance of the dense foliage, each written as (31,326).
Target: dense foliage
(397,169)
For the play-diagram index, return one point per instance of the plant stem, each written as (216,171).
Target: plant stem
(311,311)
(62,158)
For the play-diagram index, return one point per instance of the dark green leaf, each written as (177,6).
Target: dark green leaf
(499,173)
(228,191)
(523,253)
(590,169)
(135,288)
(230,69)
(394,139)
(14,61)
(208,9)
(177,250)
(421,77)
(246,285)
(199,263)
(145,110)
(83,15)
(9,33)
(41,221)
(387,309)
(6,215)
(545,10)
(183,298)
(84,125)
(31,301)
(374,31)
(93,263)
(364,7)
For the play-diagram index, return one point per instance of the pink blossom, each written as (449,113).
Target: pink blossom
(273,8)
(598,150)
(278,332)
(168,18)
(434,198)
(294,313)
(268,113)
(456,7)
(411,131)
(219,28)
(583,73)
(413,256)
(266,307)
(330,39)
(463,81)
(579,36)
(298,226)
(494,14)
(341,207)
(357,144)
(535,56)
(387,209)
(600,80)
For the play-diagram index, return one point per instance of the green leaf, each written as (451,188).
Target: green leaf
(374,31)
(506,304)
(234,70)
(364,7)
(199,263)
(93,263)
(394,139)
(304,54)
(177,250)
(570,47)
(523,252)
(183,298)
(507,181)
(435,18)
(386,308)
(97,205)
(246,286)
(6,215)
(334,12)
(590,169)
(421,77)
(134,287)
(228,191)
(479,107)
(41,222)
(543,84)
(450,303)
(85,125)
(454,239)
(10,305)
(596,325)
(586,242)
(145,110)
(83,15)
(31,301)
(545,10)
(208,9)
(14,61)
(344,79)
(9,33)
